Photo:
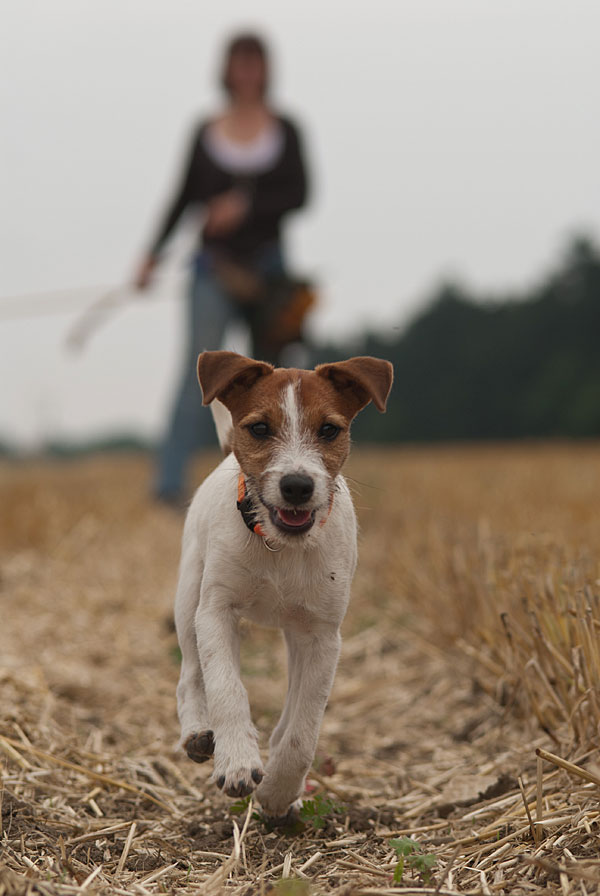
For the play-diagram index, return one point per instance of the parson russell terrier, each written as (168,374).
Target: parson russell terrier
(270,536)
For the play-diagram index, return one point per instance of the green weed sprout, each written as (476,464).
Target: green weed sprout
(410,854)
(315,811)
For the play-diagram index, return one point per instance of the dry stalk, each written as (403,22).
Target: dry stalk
(568,766)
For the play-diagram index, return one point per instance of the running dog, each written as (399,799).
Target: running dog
(270,536)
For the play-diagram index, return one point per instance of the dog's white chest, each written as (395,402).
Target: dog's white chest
(300,590)
(290,585)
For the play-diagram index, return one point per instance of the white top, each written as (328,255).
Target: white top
(253,157)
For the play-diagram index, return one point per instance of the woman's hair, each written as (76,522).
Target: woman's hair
(245,43)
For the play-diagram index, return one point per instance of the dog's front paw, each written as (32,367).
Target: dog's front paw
(280,804)
(237,775)
(200,745)
(239,782)
(287,821)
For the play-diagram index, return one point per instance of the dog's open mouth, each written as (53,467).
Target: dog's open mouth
(291,520)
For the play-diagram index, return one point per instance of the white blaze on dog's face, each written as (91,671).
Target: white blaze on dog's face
(291,430)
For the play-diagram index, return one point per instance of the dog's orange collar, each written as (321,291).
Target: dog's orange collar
(246,507)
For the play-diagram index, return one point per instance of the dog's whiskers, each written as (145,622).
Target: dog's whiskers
(377,488)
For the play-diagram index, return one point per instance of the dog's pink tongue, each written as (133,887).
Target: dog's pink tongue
(294,517)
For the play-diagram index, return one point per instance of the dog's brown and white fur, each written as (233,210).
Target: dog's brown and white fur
(288,433)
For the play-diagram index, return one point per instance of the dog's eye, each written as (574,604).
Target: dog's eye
(329,431)
(259,430)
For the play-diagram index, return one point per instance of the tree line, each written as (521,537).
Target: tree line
(515,366)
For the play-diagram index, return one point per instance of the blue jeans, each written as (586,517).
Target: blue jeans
(210,310)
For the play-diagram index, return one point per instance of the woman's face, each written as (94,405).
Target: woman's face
(246,74)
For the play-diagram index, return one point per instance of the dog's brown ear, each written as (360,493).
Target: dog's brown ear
(360,380)
(220,372)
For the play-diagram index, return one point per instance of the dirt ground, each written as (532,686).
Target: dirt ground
(417,740)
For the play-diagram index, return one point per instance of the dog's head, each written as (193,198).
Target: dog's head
(291,430)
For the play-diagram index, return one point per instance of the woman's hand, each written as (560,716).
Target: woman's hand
(225,213)
(145,273)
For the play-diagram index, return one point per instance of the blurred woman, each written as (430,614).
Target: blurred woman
(244,173)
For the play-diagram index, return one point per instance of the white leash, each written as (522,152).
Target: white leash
(97,314)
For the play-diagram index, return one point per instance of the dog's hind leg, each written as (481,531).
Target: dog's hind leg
(294,670)
(196,735)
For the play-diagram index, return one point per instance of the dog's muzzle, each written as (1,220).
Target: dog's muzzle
(296,489)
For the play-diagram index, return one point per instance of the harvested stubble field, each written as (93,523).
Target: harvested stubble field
(472,640)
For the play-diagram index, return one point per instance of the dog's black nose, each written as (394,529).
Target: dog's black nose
(296,488)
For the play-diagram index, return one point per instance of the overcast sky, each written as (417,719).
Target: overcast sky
(446,137)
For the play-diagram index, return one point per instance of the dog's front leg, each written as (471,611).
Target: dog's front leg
(313,659)
(238,766)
